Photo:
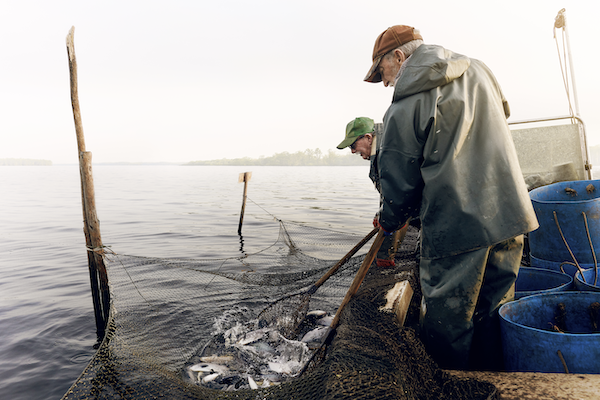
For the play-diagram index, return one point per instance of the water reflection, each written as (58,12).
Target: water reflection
(242,245)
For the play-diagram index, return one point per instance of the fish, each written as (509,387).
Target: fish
(253,336)
(316,313)
(206,367)
(325,321)
(242,356)
(288,368)
(217,359)
(211,377)
(252,383)
(315,335)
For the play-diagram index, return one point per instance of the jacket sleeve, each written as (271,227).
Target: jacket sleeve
(399,161)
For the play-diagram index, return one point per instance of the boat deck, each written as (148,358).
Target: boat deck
(537,385)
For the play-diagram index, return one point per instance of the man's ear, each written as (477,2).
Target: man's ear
(399,55)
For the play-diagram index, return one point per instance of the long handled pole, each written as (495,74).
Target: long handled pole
(91,225)
(348,256)
(299,301)
(360,275)
(362,271)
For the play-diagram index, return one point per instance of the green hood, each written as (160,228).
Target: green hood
(429,67)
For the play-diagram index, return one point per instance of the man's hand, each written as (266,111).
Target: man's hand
(376,224)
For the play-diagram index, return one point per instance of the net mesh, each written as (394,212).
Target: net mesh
(165,312)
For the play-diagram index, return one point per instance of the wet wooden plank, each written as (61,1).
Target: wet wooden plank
(398,300)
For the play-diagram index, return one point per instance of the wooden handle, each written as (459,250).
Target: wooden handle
(349,255)
(360,275)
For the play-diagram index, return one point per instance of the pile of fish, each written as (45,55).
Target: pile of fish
(250,356)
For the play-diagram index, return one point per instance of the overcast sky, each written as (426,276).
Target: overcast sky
(183,80)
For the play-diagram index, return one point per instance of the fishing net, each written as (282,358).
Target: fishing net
(168,316)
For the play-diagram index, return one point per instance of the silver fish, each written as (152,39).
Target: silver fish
(315,335)
(217,359)
(210,378)
(253,336)
(252,384)
(325,321)
(287,368)
(316,313)
(206,367)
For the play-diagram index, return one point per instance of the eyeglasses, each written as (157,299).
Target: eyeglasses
(353,145)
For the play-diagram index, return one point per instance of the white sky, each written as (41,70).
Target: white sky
(184,80)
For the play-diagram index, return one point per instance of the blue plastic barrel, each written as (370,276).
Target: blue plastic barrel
(530,344)
(532,281)
(569,200)
(568,269)
(590,279)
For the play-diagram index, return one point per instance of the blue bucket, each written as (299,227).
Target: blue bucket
(570,200)
(568,269)
(532,281)
(588,285)
(531,345)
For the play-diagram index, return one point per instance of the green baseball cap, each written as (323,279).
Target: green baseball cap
(356,129)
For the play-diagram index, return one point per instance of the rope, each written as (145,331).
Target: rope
(562,360)
(133,282)
(101,250)
(258,205)
(568,248)
(587,231)
(287,239)
(563,71)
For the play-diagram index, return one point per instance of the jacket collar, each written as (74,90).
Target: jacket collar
(374,145)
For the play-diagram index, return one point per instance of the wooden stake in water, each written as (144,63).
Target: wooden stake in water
(244,177)
(91,226)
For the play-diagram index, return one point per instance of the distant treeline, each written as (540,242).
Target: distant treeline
(23,161)
(306,157)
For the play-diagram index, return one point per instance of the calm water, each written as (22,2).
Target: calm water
(46,317)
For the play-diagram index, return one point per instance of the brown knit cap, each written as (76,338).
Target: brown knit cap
(390,39)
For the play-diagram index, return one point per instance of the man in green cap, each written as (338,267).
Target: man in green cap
(446,153)
(361,137)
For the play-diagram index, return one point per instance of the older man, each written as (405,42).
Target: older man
(446,154)
(361,138)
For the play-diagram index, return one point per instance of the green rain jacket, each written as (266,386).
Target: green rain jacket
(447,154)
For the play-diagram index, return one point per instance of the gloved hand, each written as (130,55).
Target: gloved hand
(382,262)
(376,224)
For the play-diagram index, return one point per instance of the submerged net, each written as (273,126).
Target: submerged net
(167,314)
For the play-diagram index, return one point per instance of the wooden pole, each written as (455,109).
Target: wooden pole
(244,177)
(91,226)
(360,275)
